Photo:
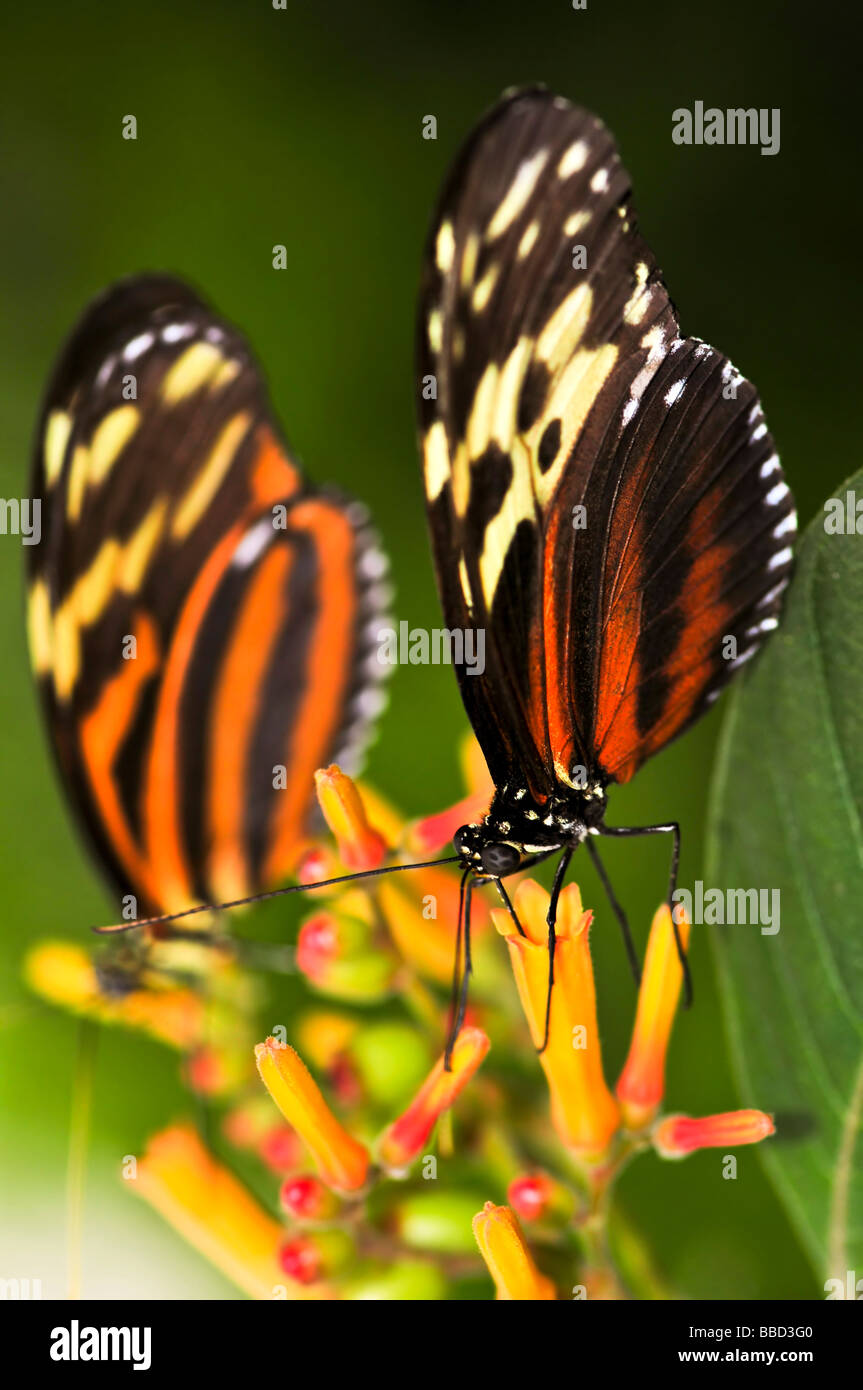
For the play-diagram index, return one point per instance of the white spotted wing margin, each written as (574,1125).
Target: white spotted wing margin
(604,497)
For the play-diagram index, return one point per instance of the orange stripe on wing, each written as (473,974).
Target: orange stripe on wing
(692,664)
(236,707)
(161,793)
(102,733)
(554,699)
(273,477)
(328,673)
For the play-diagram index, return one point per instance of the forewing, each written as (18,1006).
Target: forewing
(193,605)
(603,495)
(536,287)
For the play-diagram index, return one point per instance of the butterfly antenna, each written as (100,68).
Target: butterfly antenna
(272,893)
(79,1140)
(468,961)
(456,975)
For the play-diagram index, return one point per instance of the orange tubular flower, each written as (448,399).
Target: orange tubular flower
(406,1138)
(584,1112)
(679,1135)
(342,1161)
(642,1081)
(360,845)
(509,1261)
(213,1211)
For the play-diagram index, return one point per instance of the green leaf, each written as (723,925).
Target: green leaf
(787,814)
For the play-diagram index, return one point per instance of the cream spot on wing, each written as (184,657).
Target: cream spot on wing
(576,222)
(435,330)
(482,292)
(574,159)
(109,439)
(478,432)
(205,485)
(117,567)
(229,370)
(571,401)
(58,427)
(636,305)
(564,330)
(528,240)
(464,581)
(77,481)
(445,248)
(192,370)
(468,259)
(503,428)
(436,460)
(518,506)
(40,628)
(599,182)
(518,193)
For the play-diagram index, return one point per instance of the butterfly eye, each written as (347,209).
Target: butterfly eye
(500,859)
(462,840)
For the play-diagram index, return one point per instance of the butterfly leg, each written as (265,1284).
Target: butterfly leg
(551,920)
(507,902)
(618,911)
(504,896)
(672,828)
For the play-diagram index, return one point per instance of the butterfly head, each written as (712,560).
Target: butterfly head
(516,828)
(487,851)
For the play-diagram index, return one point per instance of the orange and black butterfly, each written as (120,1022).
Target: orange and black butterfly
(201,617)
(605,501)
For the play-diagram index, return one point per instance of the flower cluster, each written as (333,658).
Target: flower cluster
(400,1177)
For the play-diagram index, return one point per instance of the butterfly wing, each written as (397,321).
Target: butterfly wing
(606,525)
(198,614)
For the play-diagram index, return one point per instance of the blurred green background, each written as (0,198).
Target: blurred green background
(259,126)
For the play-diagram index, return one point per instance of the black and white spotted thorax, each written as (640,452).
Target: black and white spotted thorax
(518,826)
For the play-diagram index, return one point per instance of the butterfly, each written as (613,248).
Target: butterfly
(605,501)
(200,615)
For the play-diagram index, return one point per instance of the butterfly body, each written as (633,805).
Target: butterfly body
(516,822)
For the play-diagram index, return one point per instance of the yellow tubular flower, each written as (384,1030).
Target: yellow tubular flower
(212,1210)
(509,1261)
(642,1081)
(64,974)
(342,1161)
(360,845)
(584,1112)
